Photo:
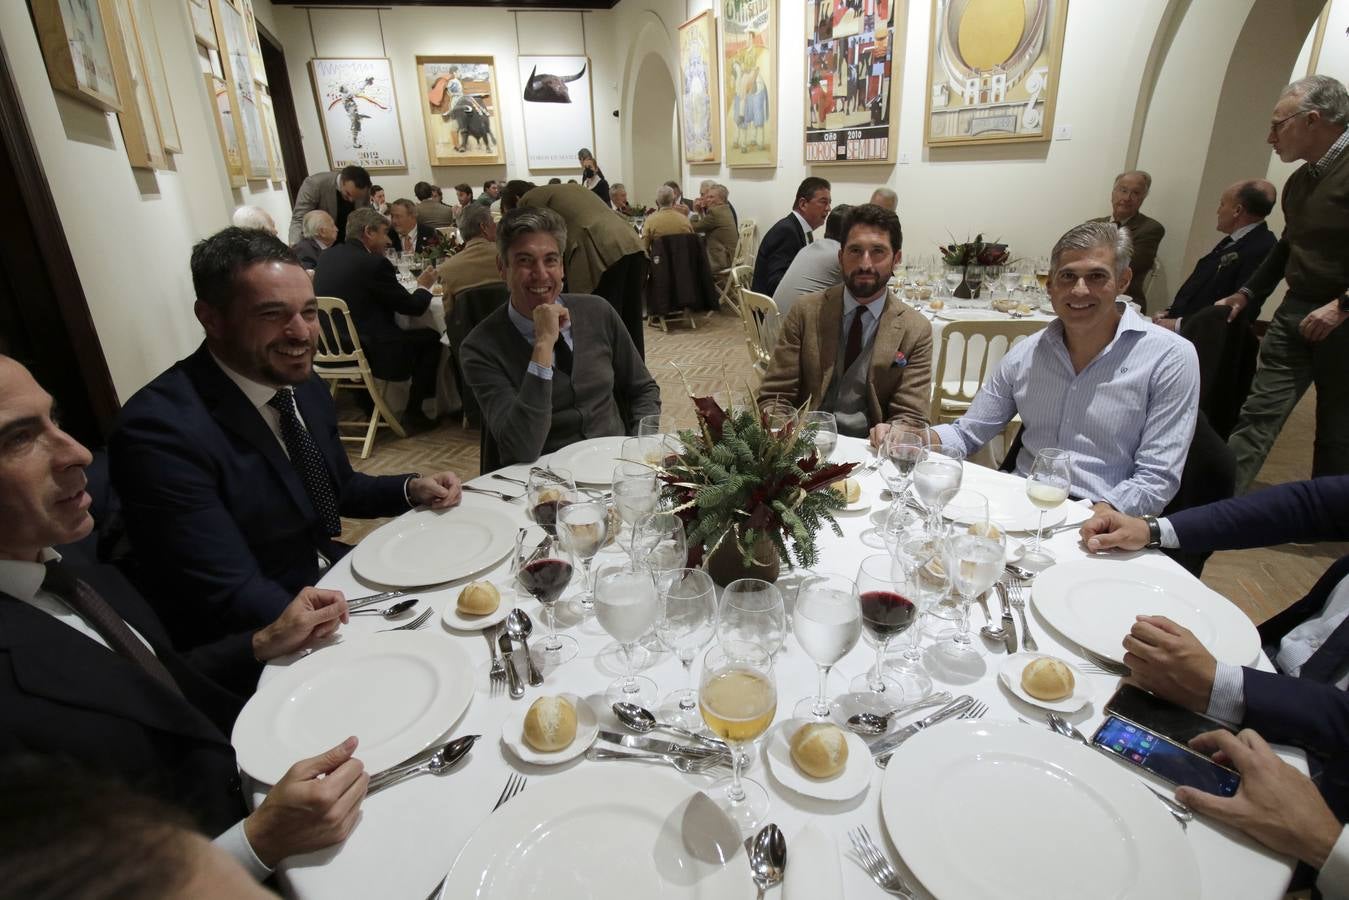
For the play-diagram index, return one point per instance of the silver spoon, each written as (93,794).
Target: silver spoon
(519,626)
(767,857)
(873,723)
(438,763)
(398,608)
(640,720)
(995,634)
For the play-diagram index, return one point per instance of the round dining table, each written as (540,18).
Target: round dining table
(410,835)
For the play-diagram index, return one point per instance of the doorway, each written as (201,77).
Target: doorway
(655,131)
(283,106)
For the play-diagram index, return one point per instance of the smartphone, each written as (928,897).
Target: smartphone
(1160,716)
(1179,765)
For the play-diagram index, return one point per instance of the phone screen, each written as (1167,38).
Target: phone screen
(1176,764)
(1160,716)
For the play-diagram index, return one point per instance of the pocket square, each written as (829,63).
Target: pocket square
(900,360)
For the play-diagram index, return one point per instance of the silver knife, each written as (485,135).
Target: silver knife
(882,749)
(634,742)
(1008,629)
(507,653)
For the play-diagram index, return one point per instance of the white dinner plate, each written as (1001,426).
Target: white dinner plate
(1010,675)
(1001,809)
(396,692)
(592,461)
(853,780)
(587,726)
(433,546)
(453,618)
(607,831)
(1093,602)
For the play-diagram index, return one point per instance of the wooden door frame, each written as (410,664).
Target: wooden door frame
(283,108)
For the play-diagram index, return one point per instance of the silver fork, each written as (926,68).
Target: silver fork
(1099,663)
(497,675)
(414,624)
(977,710)
(877,867)
(1019,604)
(491,493)
(514,785)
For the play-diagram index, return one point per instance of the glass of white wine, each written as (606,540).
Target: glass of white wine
(1047,486)
(738,699)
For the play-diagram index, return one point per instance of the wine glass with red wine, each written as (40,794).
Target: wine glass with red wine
(546,490)
(888,606)
(543,570)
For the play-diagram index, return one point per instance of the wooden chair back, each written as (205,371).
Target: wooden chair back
(760,316)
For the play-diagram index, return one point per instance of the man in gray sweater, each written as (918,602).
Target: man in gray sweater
(548,368)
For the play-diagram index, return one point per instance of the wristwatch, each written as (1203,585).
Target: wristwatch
(1154,533)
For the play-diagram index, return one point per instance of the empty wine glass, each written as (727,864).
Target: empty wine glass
(922,561)
(752,610)
(688,619)
(935,479)
(635,494)
(661,430)
(827,622)
(542,569)
(626,606)
(1047,486)
(974,557)
(658,542)
(1011,277)
(545,491)
(968,512)
(583,526)
(904,447)
(778,414)
(826,432)
(738,699)
(885,599)
(953,276)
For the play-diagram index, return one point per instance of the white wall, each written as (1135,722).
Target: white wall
(131,230)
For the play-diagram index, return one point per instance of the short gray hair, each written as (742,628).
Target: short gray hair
(1323,94)
(709,183)
(529,220)
(406,204)
(471,220)
(360,220)
(312,222)
(883,196)
(1147,179)
(665,196)
(618,186)
(253,217)
(1089,236)
(722,192)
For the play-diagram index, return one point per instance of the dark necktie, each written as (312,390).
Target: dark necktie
(95,610)
(308,461)
(1224,244)
(854,346)
(562,357)
(810,237)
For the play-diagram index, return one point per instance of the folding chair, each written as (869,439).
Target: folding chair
(760,316)
(341,362)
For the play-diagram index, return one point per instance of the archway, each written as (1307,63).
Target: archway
(655,130)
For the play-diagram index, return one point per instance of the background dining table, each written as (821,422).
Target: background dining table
(409,835)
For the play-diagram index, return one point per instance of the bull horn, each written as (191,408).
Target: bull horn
(577,75)
(532,72)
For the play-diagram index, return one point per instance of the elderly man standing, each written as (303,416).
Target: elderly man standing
(816,268)
(336,193)
(406,233)
(549,368)
(1307,342)
(1100,381)
(857,350)
(229,465)
(1131,189)
(320,232)
(476,263)
(717,223)
(790,233)
(430,210)
(665,220)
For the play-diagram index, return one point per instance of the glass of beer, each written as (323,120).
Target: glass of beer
(738,700)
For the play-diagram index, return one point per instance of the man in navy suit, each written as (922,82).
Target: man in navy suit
(406,234)
(87,672)
(1241,217)
(790,234)
(1305,703)
(229,465)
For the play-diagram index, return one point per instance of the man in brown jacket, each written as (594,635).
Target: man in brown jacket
(717,222)
(856,350)
(1126,199)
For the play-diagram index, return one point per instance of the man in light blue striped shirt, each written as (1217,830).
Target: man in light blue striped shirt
(1101,381)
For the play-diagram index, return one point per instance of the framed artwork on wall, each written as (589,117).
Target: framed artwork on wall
(148,37)
(993,71)
(222,111)
(75,45)
(203,26)
(698,82)
(254,42)
(559,119)
(749,46)
(138,119)
(460,110)
(359,112)
(274,159)
(850,64)
(232,39)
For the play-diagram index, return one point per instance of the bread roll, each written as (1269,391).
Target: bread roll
(989,530)
(478,598)
(819,750)
(1047,678)
(850,489)
(550,724)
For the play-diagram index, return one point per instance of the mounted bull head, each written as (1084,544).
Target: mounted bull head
(549,88)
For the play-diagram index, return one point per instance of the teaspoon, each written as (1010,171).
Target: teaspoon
(398,608)
(519,626)
(641,721)
(767,857)
(873,723)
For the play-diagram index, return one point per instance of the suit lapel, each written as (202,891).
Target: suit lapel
(885,343)
(830,327)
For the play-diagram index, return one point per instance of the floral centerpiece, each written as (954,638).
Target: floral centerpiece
(742,488)
(971,254)
(436,250)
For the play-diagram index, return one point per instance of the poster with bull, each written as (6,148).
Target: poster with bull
(559,121)
(359,113)
(460,110)
(851,57)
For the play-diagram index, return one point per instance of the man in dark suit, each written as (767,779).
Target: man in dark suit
(1305,703)
(1241,217)
(406,233)
(790,233)
(357,271)
(320,233)
(229,466)
(336,193)
(87,672)
(1126,198)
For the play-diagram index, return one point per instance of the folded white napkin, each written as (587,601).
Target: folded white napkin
(813,868)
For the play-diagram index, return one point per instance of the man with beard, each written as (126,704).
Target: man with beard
(229,465)
(856,350)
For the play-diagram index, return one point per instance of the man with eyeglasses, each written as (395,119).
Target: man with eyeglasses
(1305,343)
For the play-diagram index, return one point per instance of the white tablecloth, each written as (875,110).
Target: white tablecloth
(409,835)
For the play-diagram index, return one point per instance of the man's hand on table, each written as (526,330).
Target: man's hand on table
(427,278)
(1276,804)
(1110,529)
(1169,661)
(314,614)
(314,805)
(439,491)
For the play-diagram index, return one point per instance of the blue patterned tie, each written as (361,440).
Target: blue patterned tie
(308,461)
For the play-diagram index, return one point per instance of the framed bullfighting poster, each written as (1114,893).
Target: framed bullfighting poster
(555,91)
(698,74)
(460,110)
(851,56)
(749,64)
(359,113)
(993,71)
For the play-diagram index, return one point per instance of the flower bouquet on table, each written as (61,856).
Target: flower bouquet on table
(750,496)
(435,251)
(971,257)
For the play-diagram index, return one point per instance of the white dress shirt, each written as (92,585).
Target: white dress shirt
(260,395)
(805,226)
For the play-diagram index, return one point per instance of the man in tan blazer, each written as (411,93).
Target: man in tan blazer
(717,222)
(856,350)
(665,220)
(604,255)
(476,264)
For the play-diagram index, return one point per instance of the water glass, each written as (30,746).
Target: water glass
(827,622)
(738,699)
(752,610)
(627,606)
(658,541)
(826,432)
(688,619)
(1047,487)
(935,480)
(921,558)
(635,495)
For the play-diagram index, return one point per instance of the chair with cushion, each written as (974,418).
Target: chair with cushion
(470,306)
(341,362)
(759,314)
